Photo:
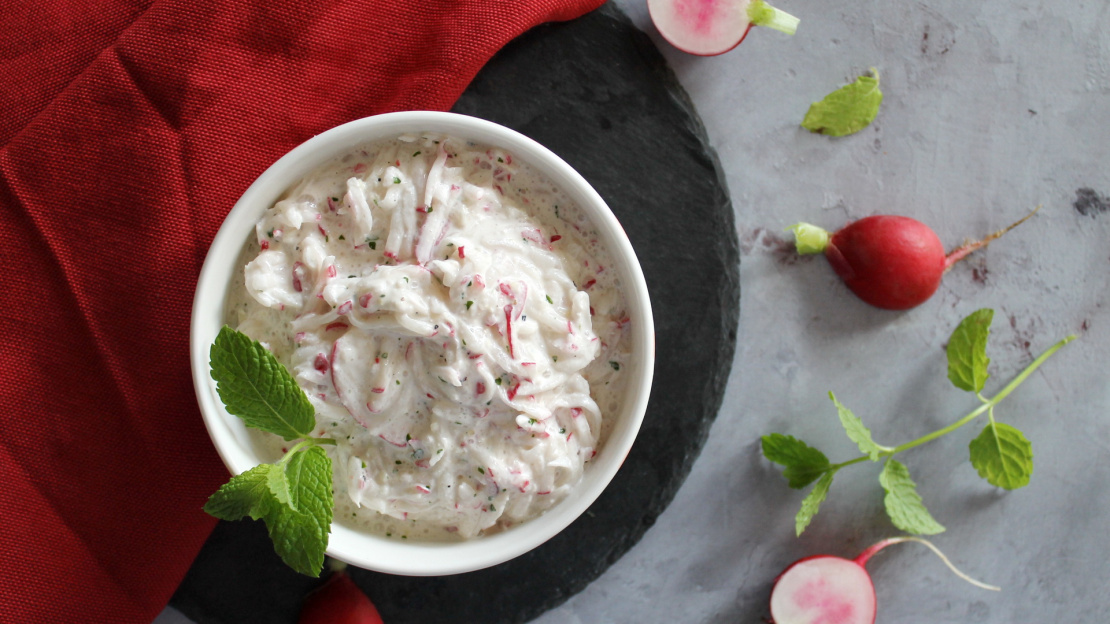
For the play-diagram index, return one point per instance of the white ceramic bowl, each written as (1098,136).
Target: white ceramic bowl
(230,435)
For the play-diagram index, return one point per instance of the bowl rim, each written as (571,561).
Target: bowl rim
(229,436)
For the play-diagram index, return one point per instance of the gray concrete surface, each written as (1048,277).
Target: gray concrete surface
(990,109)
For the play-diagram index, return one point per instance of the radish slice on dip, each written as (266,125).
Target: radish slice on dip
(710,27)
(825,589)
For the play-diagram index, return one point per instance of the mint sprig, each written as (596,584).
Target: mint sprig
(294,495)
(1001,453)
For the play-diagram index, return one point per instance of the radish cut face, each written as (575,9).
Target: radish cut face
(823,590)
(710,27)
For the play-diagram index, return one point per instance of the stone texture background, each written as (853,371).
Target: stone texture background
(990,109)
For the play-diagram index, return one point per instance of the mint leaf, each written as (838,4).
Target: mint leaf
(856,430)
(812,502)
(279,485)
(967,351)
(804,464)
(847,110)
(254,386)
(300,536)
(903,504)
(300,525)
(246,494)
(1003,456)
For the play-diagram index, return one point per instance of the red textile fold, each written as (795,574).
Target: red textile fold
(127,131)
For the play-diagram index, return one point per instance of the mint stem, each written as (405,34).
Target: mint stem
(985,407)
(762,14)
(305,443)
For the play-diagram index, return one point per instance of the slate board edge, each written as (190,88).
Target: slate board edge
(714,384)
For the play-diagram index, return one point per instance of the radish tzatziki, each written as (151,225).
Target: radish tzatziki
(449,314)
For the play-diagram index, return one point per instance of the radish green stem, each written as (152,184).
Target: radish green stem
(987,406)
(762,14)
(867,554)
(809,239)
(336,565)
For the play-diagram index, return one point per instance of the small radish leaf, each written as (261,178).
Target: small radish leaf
(967,351)
(1003,456)
(812,502)
(903,503)
(804,464)
(856,431)
(847,110)
(254,386)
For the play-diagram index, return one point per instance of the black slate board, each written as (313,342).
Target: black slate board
(598,93)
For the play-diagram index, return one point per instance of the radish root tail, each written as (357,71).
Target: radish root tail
(936,551)
(966,249)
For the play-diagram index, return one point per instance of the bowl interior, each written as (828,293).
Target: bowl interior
(231,437)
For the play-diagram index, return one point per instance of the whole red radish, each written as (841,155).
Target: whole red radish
(710,27)
(889,261)
(825,589)
(338,601)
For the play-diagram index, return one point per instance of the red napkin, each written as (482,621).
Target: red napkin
(127,131)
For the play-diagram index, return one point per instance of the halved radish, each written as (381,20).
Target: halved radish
(825,589)
(710,27)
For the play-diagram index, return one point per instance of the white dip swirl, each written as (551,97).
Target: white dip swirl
(449,314)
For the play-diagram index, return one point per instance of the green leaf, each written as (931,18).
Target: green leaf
(1003,456)
(812,502)
(278,483)
(967,351)
(300,536)
(246,494)
(299,525)
(254,386)
(804,464)
(847,110)
(856,430)
(903,504)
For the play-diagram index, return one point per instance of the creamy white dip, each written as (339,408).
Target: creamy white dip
(450,315)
